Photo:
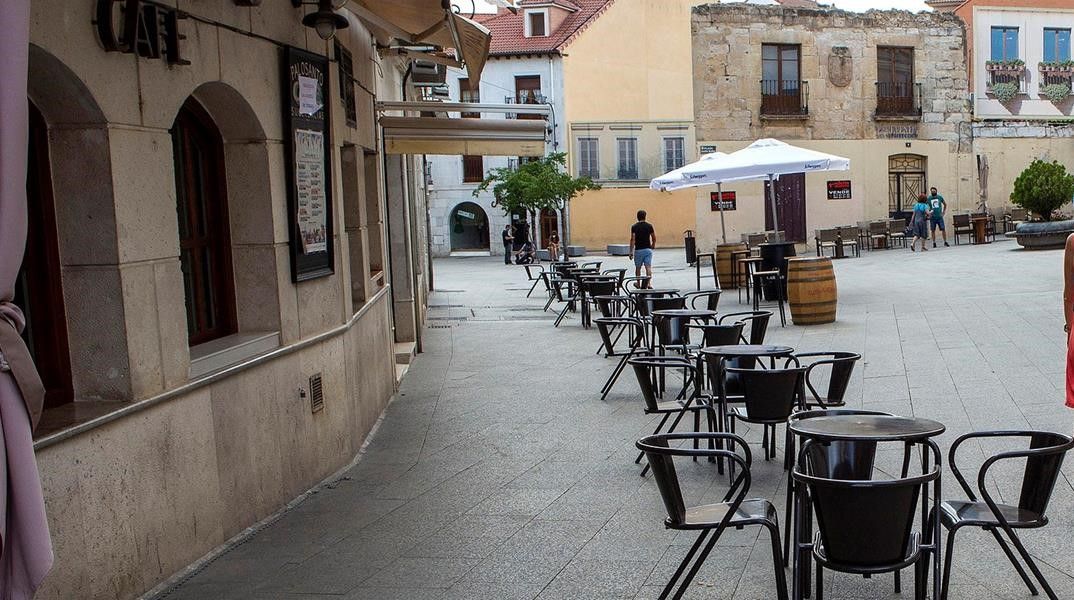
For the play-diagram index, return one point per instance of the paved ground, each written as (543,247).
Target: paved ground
(499,473)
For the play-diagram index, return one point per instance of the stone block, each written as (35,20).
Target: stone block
(143,176)
(163,88)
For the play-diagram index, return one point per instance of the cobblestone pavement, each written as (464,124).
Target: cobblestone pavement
(499,473)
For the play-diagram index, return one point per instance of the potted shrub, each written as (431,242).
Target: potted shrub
(1043,188)
(1005,92)
(1056,92)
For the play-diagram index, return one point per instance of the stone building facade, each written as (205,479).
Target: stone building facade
(887,89)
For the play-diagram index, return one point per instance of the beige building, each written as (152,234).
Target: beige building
(224,280)
(886,89)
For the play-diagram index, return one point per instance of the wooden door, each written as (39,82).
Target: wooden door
(38,290)
(790,202)
(549,225)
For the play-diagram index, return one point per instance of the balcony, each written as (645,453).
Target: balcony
(784,99)
(1006,79)
(1056,80)
(898,101)
(526,97)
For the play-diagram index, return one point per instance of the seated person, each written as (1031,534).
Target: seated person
(526,254)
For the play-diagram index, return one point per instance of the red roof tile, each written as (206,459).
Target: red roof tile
(507,28)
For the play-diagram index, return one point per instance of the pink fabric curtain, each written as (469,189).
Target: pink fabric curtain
(25,546)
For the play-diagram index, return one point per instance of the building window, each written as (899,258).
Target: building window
(204,233)
(781,85)
(537,23)
(588,158)
(528,91)
(473,166)
(1004,43)
(1056,45)
(346,85)
(894,81)
(628,158)
(674,153)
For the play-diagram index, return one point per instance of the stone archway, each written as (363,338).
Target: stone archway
(469,226)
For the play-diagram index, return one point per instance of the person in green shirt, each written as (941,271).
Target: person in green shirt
(938,206)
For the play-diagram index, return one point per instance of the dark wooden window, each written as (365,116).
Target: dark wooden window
(781,85)
(346,85)
(473,166)
(38,291)
(894,81)
(204,237)
(537,24)
(528,91)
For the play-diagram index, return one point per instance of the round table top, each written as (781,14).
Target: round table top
(685,313)
(867,427)
(749,350)
(652,291)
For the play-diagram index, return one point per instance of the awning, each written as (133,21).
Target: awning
(474,137)
(413,22)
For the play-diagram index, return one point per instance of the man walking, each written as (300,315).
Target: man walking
(642,242)
(938,206)
(508,243)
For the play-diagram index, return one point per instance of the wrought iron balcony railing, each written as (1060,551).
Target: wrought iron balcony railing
(896,99)
(784,98)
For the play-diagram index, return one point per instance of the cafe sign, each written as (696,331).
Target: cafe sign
(839,190)
(727,202)
(142,28)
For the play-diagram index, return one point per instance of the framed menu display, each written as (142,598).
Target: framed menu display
(308,150)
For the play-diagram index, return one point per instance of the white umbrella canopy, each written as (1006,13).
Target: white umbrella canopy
(678,179)
(764,159)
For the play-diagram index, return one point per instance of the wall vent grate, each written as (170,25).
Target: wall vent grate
(316,393)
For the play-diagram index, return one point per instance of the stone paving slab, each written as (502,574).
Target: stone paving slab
(498,472)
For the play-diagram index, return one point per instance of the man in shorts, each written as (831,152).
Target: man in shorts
(642,242)
(938,206)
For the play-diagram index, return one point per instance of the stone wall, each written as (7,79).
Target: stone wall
(727,71)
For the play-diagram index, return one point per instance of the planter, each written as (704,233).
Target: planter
(1039,236)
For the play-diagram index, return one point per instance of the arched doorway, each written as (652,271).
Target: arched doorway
(549,225)
(906,181)
(38,289)
(469,227)
(204,232)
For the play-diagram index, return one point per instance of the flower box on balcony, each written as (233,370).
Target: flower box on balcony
(1064,68)
(1009,67)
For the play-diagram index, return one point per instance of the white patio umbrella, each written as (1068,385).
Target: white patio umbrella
(678,179)
(764,159)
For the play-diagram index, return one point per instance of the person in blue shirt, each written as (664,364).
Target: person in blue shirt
(938,206)
(918,223)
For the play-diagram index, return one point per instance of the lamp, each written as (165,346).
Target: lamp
(325,20)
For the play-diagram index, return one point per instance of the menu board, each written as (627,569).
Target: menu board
(309,181)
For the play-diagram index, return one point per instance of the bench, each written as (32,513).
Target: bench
(619,249)
(575,250)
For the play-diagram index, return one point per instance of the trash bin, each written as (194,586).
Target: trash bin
(690,243)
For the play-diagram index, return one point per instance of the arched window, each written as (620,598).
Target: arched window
(38,291)
(204,232)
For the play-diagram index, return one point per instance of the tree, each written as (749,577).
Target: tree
(539,184)
(1043,187)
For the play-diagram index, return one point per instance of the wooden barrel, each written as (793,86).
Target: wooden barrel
(811,290)
(723,263)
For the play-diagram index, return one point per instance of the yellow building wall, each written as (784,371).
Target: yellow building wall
(1008,157)
(632,64)
(604,216)
(952,174)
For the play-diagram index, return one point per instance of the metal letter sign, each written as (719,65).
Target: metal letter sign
(140,27)
(309,177)
(729,201)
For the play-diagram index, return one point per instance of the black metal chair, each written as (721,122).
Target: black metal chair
(620,273)
(832,459)
(710,299)
(533,273)
(641,282)
(714,334)
(842,367)
(648,369)
(593,288)
(606,327)
(769,397)
(735,510)
(757,321)
(1043,460)
(962,226)
(864,527)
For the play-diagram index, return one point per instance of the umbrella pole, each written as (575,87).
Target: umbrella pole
(719,197)
(772,200)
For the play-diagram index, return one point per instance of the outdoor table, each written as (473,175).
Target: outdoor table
(697,268)
(687,314)
(774,257)
(869,428)
(639,295)
(583,290)
(736,258)
(980,228)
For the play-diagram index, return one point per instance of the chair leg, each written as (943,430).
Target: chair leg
(898,581)
(682,566)
(948,554)
(778,562)
(698,562)
(533,287)
(562,313)
(787,521)
(1014,561)
(659,425)
(820,581)
(1032,564)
